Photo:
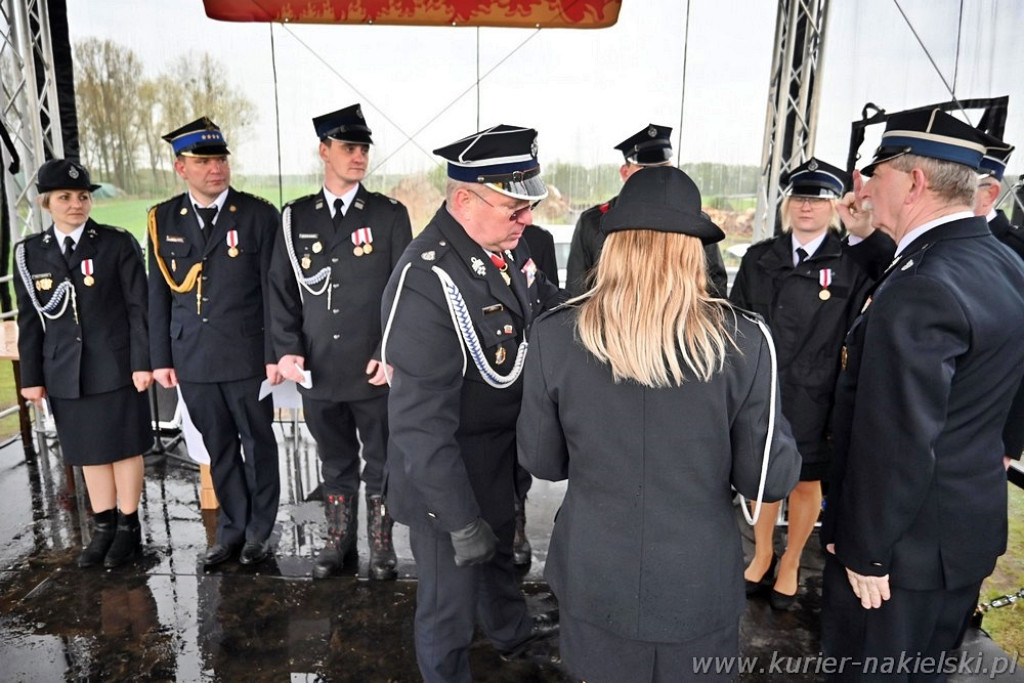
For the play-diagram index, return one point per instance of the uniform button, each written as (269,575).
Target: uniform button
(334,260)
(206,320)
(78,339)
(334,311)
(206,298)
(205,278)
(431,515)
(337,336)
(335,286)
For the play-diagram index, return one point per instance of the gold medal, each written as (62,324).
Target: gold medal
(824,295)
(306,262)
(367,248)
(358,251)
(233,252)
(317,247)
(88,280)
(499,355)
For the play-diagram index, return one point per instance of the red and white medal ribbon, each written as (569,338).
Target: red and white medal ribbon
(825,277)
(362,236)
(87,267)
(232,239)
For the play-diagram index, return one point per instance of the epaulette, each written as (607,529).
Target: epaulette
(304,198)
(166,201)
(256,196)
(430,254)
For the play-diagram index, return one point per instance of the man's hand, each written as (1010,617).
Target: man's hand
(474,543)
(274,375)
(34,394)
(856,217)
(166,377)
(872,590)
(142,379)
(379,373)
(291,367)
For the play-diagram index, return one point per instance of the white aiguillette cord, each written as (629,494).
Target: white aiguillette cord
(752,520)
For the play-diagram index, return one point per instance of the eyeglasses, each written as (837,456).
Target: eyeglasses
(813,201)
(514,216)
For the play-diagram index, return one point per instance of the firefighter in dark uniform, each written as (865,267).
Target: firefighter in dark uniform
(331,263)
(648,147)
(209,262)
(84,347)
(456,315)
(917,494)
(990,178)
(808,289)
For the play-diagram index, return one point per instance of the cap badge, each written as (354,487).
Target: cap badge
(359,112)
(813,166)
(652,132)
(73,172)
(478,266)
(533,147)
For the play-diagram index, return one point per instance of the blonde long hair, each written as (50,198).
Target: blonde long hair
(649,306)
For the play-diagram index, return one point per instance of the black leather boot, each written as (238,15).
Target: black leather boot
(522,552)
(127,541)
(340,512)
(378,534)
(103,531)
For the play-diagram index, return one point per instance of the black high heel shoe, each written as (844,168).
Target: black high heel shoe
(767,579)
(782,602)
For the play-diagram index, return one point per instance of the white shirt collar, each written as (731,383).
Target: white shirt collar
(922,229)
(991,215)
(218,202)
(347,198)
(810,247)
(75,234)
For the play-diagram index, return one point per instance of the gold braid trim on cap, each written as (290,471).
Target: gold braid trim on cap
(192,279)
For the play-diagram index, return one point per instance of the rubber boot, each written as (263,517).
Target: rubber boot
(104,529)
(127,543)
(378,534)
(340,513)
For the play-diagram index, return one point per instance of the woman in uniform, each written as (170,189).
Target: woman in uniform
(808,291)
(84,347)
(653,398)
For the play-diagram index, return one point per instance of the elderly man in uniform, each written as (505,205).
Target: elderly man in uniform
(917,506)
(331,264)
(456,313)
(209,262)
(648,147)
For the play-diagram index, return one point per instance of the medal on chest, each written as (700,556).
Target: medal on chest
(87,270)
(825,280)
(363,241)
(232,240)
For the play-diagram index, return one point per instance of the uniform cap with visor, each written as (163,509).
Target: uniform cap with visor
(503,158)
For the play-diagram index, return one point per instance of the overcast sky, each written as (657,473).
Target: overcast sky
(583,90)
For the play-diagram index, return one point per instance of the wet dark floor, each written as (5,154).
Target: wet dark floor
(166,619)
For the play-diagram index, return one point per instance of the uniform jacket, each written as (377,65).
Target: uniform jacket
(808,331)
(337,341)
(452,435)
(224,340)
(101,338)
(542,249)
(1008,234)
(646,544)
(588,241)
(918,489)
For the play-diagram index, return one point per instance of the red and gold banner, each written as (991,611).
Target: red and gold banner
(496,13)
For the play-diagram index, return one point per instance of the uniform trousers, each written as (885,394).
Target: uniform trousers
(231,420)
(338,427)
(451,600)
(910,622)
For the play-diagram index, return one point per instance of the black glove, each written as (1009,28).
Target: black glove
(474,543)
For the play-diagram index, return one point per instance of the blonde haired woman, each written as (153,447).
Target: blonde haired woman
(653,399)
(84,346)
(809,290)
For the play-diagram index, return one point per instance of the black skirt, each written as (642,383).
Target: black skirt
(103,428)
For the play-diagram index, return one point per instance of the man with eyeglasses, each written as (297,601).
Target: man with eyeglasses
(650,146)
(456,314)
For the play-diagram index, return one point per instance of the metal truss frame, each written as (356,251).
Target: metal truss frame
(792,115)
(28,105)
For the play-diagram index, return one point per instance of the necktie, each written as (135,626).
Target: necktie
(207,214)
(69,248)
(801,255)
(500,264)
(339,204)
